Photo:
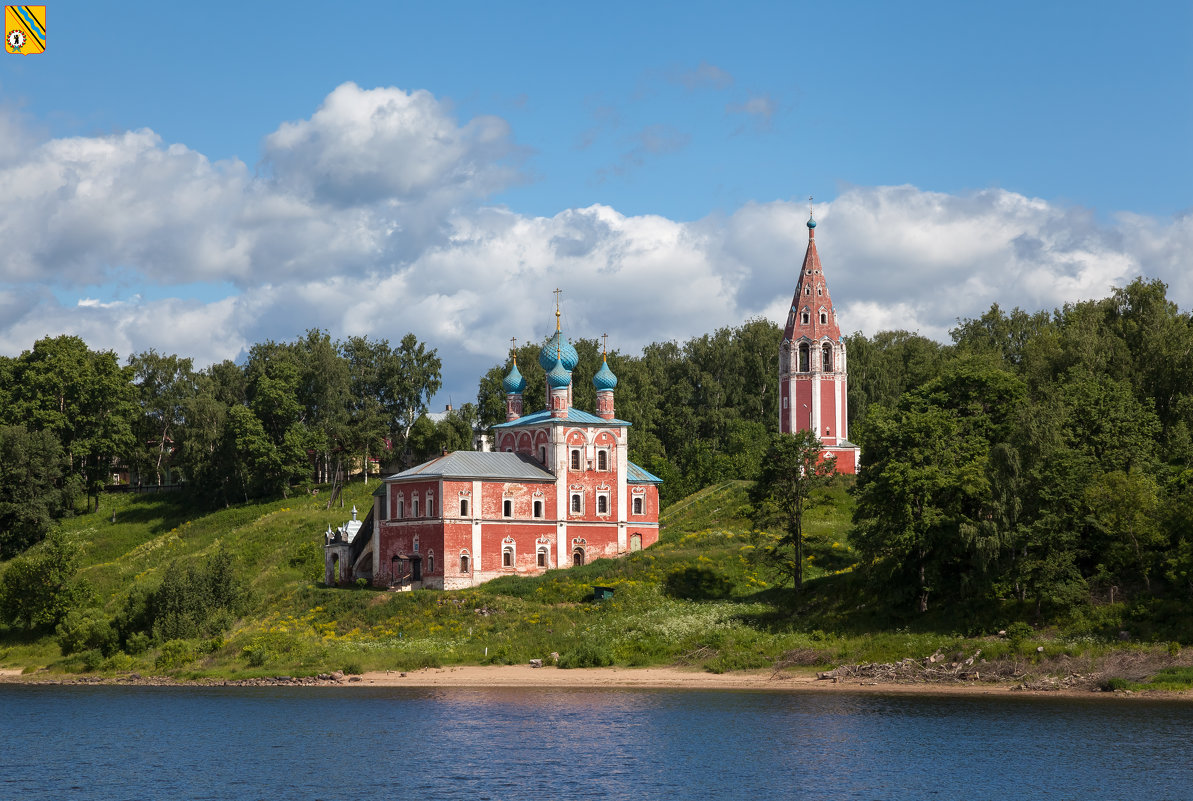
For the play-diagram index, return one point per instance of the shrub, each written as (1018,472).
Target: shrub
(83,631)
(697,584)
(257,655)
(174,654)
(353,669)
(1115,683)
(586,654)
(137,643)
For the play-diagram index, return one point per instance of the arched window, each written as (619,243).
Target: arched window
(507,508)
(824,318)
(819,290)
(577,503)
(463,507)
(430,506)
(538,508)
(431,562)
(804,317)
(807,290)
(602,460)
(575,458)
(827,358)
(602,504)
(464,563)
(507,556)
(637,506)
(577,556)
(804,357)
(542,557)
(543,454)
(414,506)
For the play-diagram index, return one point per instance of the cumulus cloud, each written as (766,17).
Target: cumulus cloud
(320,241)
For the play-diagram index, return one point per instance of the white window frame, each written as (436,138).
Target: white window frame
(573,497)
(507,507)
(538,506)
(638,505)
(603,496)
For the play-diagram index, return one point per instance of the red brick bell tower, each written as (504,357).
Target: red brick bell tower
(812,366)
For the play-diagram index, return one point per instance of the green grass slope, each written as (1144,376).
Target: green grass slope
(702,596)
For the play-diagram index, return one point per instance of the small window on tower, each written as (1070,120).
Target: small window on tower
(804,317)
(807,290)
(824,318)
(819,290)
(827,359)
(804,358)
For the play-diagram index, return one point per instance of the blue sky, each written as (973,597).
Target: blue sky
(198,178)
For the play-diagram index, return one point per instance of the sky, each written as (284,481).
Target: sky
(197,178)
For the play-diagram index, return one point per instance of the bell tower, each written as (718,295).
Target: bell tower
(812,365)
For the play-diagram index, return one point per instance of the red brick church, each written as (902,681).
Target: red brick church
(812,368)
(558,490)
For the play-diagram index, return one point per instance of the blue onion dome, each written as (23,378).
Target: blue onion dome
(514,383)
(811,223)
(558,346)
(604,379)
(558,377)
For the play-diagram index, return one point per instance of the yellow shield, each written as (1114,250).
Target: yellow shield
(25,29)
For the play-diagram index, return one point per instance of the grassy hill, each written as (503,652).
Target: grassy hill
(702,596)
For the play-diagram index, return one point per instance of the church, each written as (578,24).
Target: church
(813,389)
(558,490)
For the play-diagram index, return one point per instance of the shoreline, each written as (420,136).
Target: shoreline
(525,677)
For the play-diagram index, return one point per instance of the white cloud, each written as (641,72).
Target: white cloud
(371,223)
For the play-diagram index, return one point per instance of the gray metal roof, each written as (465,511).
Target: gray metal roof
(479,464)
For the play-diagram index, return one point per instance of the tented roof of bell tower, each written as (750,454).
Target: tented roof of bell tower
(812,302)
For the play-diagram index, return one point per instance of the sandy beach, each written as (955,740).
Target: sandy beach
(612,678)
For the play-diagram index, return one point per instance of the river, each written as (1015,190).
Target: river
(109,743)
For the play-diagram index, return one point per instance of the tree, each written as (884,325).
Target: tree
(411,376)
(793,467)
(31,491)
(164,385)
(39,588)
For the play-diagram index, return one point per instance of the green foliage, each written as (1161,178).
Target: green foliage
(40,588)
(175,654)
(697,584)
(792,470)
(32,491)
(86,630)
(585,654)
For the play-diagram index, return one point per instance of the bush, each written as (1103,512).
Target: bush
(83,631)
(586,654)
(1115,683)
(697,584)
(257,655)
(137,643)
(174,654)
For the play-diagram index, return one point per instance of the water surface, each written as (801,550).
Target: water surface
(109,743)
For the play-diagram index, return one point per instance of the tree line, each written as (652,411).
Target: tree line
(70,415)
